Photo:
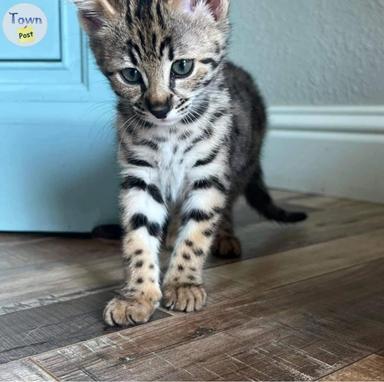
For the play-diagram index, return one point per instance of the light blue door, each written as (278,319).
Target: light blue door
(57,145)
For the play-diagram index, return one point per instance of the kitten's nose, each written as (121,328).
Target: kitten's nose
(159,109)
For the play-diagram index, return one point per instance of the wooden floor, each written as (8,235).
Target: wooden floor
(305,302)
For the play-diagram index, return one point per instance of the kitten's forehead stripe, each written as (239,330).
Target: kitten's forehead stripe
(154,42)
(144,9)
(167,43)
(142,4)
(131,53)
(171,53)
(142,39)
(160,15)
(128,15)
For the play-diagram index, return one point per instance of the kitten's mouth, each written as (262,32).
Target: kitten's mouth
(168,121)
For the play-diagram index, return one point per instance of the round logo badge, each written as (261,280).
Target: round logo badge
(25,24)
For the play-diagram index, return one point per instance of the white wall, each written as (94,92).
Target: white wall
(320,65)
(312,52)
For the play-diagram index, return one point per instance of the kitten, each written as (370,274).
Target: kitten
(190,128)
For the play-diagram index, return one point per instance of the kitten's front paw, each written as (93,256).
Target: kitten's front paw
(226,246)
(128,311)
(184,298)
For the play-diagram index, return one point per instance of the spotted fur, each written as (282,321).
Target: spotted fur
(188,147)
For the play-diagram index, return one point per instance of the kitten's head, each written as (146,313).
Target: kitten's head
(159,55)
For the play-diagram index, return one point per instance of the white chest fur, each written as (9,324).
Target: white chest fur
(172,169)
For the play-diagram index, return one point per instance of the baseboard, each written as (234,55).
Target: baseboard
(327,150)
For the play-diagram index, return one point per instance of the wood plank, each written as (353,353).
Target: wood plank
(299,264)
(24,371)
(37,330)
(320,201)
(7,239)
(262,239)
(368,369)
(66,268)
(298,331)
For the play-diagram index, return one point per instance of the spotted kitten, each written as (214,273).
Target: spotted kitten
(190,127)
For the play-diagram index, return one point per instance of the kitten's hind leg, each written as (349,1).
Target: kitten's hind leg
(226,244)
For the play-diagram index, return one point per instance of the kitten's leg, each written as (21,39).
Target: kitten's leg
(144,215)
(183,283)
(226,244)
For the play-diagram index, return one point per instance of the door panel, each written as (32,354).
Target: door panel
(57,149)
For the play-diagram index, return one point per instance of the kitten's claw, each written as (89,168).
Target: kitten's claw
(129,311)
(226,246)
(184,298)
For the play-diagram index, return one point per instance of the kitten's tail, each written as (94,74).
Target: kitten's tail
(258,197)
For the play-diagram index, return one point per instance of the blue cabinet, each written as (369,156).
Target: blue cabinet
(57,141)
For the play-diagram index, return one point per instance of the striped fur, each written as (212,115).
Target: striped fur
(194,162)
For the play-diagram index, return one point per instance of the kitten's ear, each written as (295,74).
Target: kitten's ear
(95,13)
(218,8)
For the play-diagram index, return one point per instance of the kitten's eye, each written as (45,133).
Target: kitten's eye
(131,76)
(182,68)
